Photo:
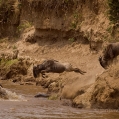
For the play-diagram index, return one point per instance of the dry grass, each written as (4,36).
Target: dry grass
(12,5)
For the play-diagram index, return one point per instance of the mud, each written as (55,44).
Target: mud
(67,31)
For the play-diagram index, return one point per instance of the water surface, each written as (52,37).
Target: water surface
(28,107)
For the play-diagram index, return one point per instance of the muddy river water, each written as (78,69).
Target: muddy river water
(25,106)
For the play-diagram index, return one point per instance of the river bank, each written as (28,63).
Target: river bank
(43,108)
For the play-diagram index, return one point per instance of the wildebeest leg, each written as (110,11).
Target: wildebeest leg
(45,71)
(43,75)
(79,71)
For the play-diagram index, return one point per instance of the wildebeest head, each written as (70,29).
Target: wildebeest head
(107,56)
(103,62)
(36,70)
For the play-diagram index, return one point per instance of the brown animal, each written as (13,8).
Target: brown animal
(109,54)
(55,67)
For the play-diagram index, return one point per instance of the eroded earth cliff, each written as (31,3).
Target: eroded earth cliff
(73,31)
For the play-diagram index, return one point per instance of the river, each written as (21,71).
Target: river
(25,106)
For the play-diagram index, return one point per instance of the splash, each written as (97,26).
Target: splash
(6,94)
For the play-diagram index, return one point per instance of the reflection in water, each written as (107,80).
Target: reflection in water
(42,108)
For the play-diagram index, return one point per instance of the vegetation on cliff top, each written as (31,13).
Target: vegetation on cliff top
(7,9)
(113,10)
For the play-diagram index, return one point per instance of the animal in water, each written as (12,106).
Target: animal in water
(109,54)
(41,95)
(54,67)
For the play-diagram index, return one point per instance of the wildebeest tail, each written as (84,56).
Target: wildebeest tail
(79,71)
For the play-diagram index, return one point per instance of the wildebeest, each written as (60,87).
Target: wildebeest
(55,67)
(109,54)
(44,95)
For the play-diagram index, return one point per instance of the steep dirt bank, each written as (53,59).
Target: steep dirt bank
(96,89)
(67,31)
(68,84)
(64,19)
(104,93)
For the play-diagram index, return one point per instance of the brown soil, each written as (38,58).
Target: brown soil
(104,93)
(67,31)
(68,84)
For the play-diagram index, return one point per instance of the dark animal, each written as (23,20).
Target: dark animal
(109,54)
(42,95)
(55,67)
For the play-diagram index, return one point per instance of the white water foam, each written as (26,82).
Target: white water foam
(12,96)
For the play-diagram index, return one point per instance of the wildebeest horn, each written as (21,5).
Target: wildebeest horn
(102,63)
